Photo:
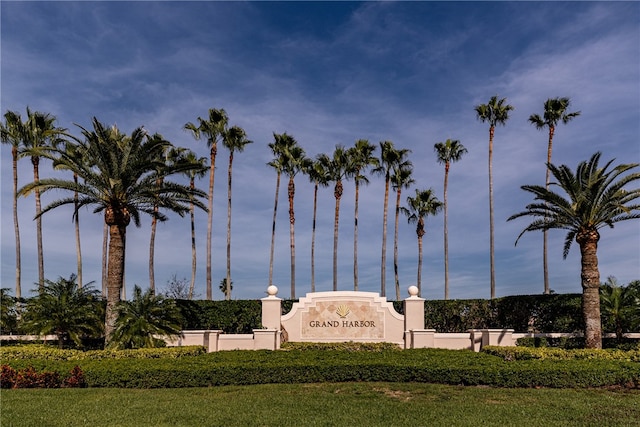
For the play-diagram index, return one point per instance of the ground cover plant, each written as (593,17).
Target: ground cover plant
(326,404)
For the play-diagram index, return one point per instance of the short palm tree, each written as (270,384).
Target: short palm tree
(119,179)
(65,309)
(294,161)
(212,128)
(234,139)
(448,152)
(595,197)
(362,158)
(390,158)
(144,320)
(400,179)
(555,110)
(338,167)
(424,203)
(495,112)
(281,145)
(8,312)
(320,178)
(621,305)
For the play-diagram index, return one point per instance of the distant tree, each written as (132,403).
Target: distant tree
(338,167)
(226,288)
(178,288)
(424,203)
(448,152)
(390,159)
(595,197)
(495,112)
(400,179)
(362,158)
(65,309)
(235,139)
(212,128)
(8,312)
(555,110)
(319,177)
(144,320)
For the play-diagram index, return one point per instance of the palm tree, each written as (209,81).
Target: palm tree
(390,158)
(338,167)
(65,309)
(555,109)
(496,112)
(319,177)
(361,155)
(226,288)
(235,139)
(400,179)
(213,128)
(119,179)
(12,132)
(294,161)
(8,312)
(621,305)
(198,170)
(593,199)
(144,319)
(425,203)
(281,145)
(448,152)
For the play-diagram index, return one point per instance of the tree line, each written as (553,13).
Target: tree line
(123,176)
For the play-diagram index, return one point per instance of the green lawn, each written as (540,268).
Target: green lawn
(322,404)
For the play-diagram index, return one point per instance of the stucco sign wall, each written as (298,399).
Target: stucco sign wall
(343,316)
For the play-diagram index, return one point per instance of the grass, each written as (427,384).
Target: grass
(322,404)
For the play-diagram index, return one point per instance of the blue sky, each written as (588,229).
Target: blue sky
(331,73)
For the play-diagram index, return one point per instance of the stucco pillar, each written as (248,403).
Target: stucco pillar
(271,309)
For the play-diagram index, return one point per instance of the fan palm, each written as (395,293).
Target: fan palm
(144,319)
(362,158)
(595,197)
(213,129)
(495,112)
(281,145)
(319,177)
(338,167)
(65,309)
(235,139)
(448,152)
(400,179)
(390,159)
(119,179)
(555,110)
(424,203)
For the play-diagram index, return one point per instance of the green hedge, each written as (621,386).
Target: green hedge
(307,366)
(550,313)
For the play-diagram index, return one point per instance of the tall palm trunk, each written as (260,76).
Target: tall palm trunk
(117,222)
(152,245)
(76,221)
(395,245)
(383,268)
(337,193)
(35,160)
(313,237)
(355,236)
(16,227)
(420,232)
(213,152)
(273,229)
(192,186)
(545,265)
(292,238)
(590,275)
(228,282)
(491,241)
(446,233)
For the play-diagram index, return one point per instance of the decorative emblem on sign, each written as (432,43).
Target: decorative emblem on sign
(343,310)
